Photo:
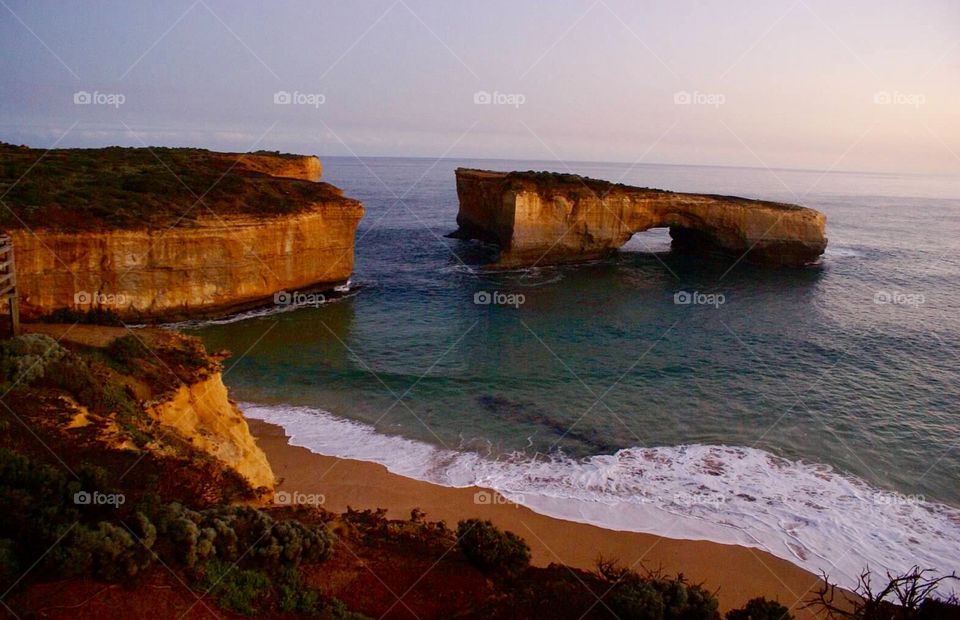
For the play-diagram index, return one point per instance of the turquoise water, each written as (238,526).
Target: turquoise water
(810,405)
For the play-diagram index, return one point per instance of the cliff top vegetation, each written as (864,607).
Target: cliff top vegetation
(144,188)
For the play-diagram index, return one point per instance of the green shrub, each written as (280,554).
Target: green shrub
(491,550)
(27,358)
(74,375)
(640,600)
(334,609)
(295,596)
(235,532)
(107,551)
(39,510)
(234,588)
(37,502)
(655,597)
(760,609)
(126,349)
(180,539)
(38,360)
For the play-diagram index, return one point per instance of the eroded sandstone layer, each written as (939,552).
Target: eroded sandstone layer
(217,266)
(203,413)
(539,218)
(169,234)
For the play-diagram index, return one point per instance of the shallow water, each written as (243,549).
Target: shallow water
(813,412)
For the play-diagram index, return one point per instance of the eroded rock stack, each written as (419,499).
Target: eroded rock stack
(539,218)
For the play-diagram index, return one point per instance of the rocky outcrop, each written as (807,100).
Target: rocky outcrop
(131,249)
(150,402)
(544,218)
(303,167)
(203,414)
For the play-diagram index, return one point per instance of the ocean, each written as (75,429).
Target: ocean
(812,412)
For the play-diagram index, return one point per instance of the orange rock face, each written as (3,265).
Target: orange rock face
(212,266)
(204,415)
(305,168)
(544,218)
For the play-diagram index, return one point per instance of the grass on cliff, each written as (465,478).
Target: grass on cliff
(138,188)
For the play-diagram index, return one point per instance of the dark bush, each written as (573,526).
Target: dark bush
(106,551)
(655,597)
(126,349)
(40,509)
(491,550)
(295,596)
(234,532)
(27,358)
(760,609)
(234,588)
(37,502)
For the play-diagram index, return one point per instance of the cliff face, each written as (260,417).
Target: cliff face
(203,414)
(219,266)
(148,405)
(544,218)
(303,167)
(125,232)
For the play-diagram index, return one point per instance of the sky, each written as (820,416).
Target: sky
(860,85)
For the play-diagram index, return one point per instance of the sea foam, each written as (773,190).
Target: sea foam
(803,512)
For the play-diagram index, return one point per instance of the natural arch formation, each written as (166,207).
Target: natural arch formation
(539,218)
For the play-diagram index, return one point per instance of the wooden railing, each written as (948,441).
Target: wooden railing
(8,282)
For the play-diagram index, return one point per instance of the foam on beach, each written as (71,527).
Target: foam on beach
(806,513)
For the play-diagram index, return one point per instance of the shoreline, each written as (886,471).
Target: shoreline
(737,573)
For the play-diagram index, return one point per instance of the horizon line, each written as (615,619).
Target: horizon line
(522,159)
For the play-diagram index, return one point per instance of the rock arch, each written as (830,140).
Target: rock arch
(545,218)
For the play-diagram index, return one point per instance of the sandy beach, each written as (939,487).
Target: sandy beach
(736,573)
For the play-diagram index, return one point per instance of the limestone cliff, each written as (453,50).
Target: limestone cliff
(203,414)
(544,218)
(167,234)
(217,266)
(150,402)
(303,167)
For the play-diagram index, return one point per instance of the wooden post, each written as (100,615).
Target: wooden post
(8,281)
